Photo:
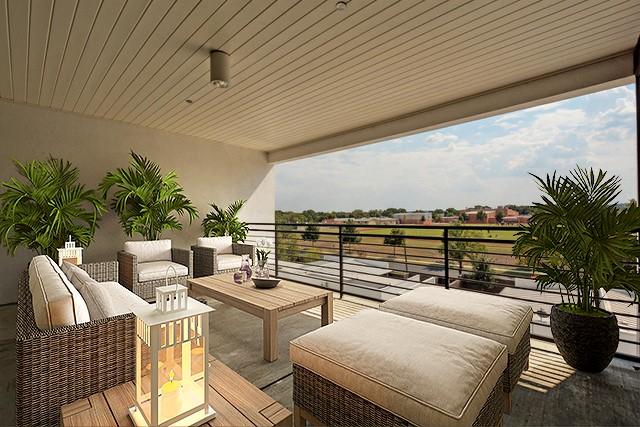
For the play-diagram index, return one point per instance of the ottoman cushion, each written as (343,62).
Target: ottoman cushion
(424,373)
(499,319)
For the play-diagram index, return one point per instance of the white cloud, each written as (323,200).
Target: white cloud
(445,169)
(440,137)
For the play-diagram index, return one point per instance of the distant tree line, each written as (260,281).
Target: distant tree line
(310,216)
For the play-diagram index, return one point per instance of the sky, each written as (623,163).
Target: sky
(484,162)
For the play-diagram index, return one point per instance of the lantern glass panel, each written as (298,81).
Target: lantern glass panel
(143,375)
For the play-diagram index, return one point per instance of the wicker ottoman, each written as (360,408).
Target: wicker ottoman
(500,319)
(379,369)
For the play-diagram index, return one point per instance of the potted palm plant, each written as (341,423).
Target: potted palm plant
(47,206)
(147,202)
(225,222)
(581,242)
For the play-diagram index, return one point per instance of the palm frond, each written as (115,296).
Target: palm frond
(579,239)
(145,201)
(46,206)
(225,222)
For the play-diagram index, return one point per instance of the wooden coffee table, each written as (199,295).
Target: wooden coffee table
(236,401)
(270,305)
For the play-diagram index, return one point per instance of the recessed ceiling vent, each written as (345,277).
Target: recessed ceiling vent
(220,69)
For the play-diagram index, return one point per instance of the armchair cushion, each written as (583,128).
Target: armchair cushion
(155,270)
(222,244)
(56,302)
(152,250)
(228,261)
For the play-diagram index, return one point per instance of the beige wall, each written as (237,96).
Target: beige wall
(209,172)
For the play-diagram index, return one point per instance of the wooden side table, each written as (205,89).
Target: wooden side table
(236,401)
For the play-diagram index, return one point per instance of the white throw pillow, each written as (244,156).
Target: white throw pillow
(98,301)
(222,244)
(152,250)
(78,277)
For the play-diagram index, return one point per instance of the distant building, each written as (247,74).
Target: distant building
(507,211)
(489,217)
(516,219)
(450,219)
(414,217)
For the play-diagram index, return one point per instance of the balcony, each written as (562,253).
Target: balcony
(363,261)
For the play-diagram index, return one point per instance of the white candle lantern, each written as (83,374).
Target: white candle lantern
(70,253)
(172,376)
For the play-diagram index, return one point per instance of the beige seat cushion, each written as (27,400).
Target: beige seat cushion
(228,262)
(56,302)
(108,299)
(424,373)
(155,270)
(152,250)
(499,319)
(222,244)
(78,277)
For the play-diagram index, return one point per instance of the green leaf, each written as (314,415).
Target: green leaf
(46,206)
(145,201)
(579,240)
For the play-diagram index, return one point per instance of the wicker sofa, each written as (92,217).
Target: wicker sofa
(136,257)
(216,255)
(67,363)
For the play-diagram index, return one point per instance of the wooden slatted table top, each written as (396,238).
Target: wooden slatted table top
(286,295)
(236,401)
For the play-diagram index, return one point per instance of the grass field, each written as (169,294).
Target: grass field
(419,248)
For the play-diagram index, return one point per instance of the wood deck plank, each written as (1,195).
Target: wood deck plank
(96,415)
(120,398)
(236,401)
(240,393)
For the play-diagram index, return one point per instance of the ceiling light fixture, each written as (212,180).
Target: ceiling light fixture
(220,68)
(341,5)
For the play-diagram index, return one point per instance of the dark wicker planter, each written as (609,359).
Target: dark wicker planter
(587,343)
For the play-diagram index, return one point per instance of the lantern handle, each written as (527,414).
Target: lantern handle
(166,276)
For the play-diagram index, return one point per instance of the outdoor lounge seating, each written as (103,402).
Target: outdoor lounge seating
(145,265)
(216,255)
(60,356)
(361,371)
(499,319)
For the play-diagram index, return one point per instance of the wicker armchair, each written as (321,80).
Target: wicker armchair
(146,290)
(64,364)
(206,259)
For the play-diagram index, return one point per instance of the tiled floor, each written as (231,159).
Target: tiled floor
(549,393)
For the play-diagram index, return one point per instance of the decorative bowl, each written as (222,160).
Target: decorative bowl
(265,283)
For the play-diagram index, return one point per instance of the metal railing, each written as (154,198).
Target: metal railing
(368,261)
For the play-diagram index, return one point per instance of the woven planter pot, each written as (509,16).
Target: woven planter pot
(588,343)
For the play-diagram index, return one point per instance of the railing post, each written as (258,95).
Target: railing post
(446,258)
(275,227)
(340,257)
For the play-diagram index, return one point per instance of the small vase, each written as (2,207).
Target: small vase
(246,267)
(237,277)
(262,272)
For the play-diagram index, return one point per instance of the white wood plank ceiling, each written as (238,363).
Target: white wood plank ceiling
(300,69)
